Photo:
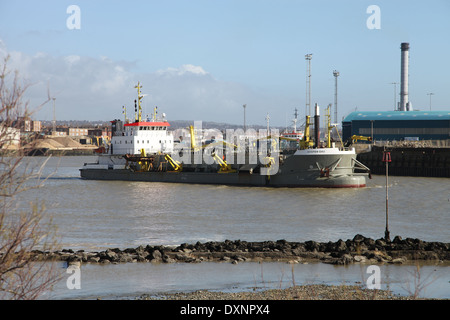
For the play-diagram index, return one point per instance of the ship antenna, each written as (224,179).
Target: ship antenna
(124,111)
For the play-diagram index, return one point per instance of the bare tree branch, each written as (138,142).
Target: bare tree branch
(21,231)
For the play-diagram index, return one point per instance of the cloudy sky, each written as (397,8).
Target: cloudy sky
(204,59)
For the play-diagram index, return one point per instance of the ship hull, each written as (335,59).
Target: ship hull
(232,179)
(305,169)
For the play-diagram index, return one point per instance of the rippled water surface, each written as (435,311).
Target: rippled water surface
(94,215)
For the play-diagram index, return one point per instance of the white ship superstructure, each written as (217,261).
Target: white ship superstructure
(131,138)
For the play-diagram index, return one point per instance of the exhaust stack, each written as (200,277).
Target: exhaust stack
(317,127)
(404,103)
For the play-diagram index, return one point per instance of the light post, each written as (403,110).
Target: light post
(244,116)
(430,94)
(395,95)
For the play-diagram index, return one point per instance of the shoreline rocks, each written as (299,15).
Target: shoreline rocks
(357,250)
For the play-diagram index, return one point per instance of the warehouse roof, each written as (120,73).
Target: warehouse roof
(397,115)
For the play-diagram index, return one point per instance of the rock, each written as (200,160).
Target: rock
(400,260)
(167,259)
(358,238)
(111,255)
(155,255)
(340,246)
(397,240)
(311,246)
(346,259)
(298,250)
(93,259)
(359,258)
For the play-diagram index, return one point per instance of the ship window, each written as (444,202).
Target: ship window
(153,128)
(148,141)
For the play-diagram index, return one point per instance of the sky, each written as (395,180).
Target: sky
(204,59)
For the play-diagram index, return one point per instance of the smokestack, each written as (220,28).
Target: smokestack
(404,103)
(317,127)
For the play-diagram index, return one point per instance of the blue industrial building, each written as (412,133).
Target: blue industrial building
(398,125)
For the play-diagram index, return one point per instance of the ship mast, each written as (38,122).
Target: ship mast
(295,120)
(140,96)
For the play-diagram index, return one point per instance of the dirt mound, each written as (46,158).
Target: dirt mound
(55,143)
(67,142)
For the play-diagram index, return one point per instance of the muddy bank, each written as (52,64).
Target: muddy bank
(357,250)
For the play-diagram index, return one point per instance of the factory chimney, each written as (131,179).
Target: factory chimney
(405,105)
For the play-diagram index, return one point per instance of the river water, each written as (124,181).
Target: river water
(94,215)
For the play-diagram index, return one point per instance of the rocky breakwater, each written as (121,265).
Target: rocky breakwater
(357,250)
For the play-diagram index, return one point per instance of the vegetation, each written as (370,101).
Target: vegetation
(22,230)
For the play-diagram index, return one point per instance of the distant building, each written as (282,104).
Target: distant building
(78,132)
(9,137)
(61,131)
(98,132)
(27,125)
(398,125)
(31,126)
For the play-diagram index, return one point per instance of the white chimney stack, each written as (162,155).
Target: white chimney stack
(404,103)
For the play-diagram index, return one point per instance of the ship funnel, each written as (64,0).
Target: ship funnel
(404,103)
(317,126)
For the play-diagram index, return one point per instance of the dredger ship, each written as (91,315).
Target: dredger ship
(144,150)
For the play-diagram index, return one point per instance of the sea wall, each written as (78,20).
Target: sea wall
(357,250)
(422,162)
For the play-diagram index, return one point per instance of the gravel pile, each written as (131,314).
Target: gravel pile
(305,292)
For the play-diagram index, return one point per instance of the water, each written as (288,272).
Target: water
(94,215)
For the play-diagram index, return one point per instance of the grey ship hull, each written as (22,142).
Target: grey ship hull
(303,169)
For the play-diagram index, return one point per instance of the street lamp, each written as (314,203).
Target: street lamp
(395,94)
(430,94)
(244,116)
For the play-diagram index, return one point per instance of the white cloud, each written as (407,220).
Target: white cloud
(184,69)
(89,88)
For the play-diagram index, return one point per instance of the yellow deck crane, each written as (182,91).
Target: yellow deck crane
(306,142)
(224,166)
(355,138)
(176,165)
(145,163)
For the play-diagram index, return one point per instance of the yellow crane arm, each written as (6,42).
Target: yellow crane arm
(175,164)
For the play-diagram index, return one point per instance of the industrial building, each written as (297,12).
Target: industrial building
(398,125)
(401,124)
